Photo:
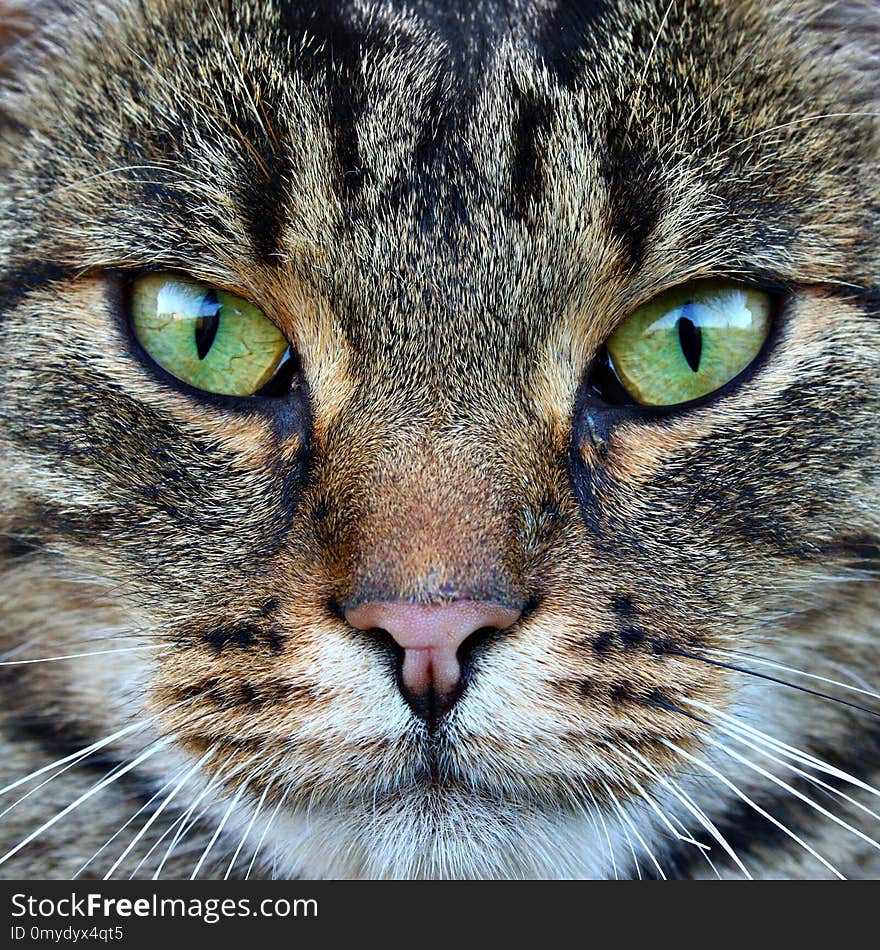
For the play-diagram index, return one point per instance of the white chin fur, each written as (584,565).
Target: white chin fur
(423,837)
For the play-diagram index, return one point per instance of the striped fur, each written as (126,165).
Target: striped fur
(446,207)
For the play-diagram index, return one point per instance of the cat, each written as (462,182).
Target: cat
(439,439)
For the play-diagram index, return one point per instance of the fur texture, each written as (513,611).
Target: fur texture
(446,207)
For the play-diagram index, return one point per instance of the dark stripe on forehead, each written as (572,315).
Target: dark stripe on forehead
(630,167)
(469,30)
(567,34)
(263,186)
(328,49)
(529,134)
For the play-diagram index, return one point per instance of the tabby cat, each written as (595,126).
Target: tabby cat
(439,438)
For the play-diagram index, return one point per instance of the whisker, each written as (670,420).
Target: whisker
(176,825)
(155,815)
(799,121)
(77,656)
(134,817)
(649,58)
(223,774)
(109,780)
(694,809)
(686,838)
(790,669)
(222,824)
(772,679)
(181,826)
(247,831)
(621,811)
(696,760)
(784,748)
(598,813)
(112,171)
(632,850)
(45,782)
(705,849)
(266,832)
(812,779)
(743,760)
(738,65)
(79,754)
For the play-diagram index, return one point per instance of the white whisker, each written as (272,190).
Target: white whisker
(235,800)
(752,658)
(78,656)
(149,823)
(220,776)
(621,811)
(748,763)
(783,748)
(247,831)
(134,817)
(665,819)
(693,808)
(78,755)
(812,779)
(696,760)
(598,813)
(150,751)
(265,832)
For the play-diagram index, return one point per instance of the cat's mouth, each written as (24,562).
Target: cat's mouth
(431,769)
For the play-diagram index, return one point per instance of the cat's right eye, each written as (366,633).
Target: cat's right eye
(687,343)
(211,339)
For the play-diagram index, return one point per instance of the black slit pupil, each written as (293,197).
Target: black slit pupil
(690,337)
(207,324)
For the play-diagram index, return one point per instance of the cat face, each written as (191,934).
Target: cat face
(447,214)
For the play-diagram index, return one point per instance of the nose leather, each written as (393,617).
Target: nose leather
(431,636)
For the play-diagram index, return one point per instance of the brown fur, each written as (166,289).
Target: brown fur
(447,244)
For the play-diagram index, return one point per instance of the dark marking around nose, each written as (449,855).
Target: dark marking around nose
(244,636)
(630,633)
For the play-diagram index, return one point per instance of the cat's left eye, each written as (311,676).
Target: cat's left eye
(208,338)
(689,342)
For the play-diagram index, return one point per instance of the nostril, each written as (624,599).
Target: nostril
(387,645)
(476,645)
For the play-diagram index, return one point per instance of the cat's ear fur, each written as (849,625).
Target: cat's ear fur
(18,37)
(32,33)
(16,25)
(850,31)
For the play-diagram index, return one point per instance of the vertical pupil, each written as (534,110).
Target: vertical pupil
(207,323)
(690,336)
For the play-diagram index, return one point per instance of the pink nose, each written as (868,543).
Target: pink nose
(431,637)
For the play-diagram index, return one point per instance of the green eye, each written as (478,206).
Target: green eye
(689,342)
(208,338)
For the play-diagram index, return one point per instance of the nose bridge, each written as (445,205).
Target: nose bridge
(435,524)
